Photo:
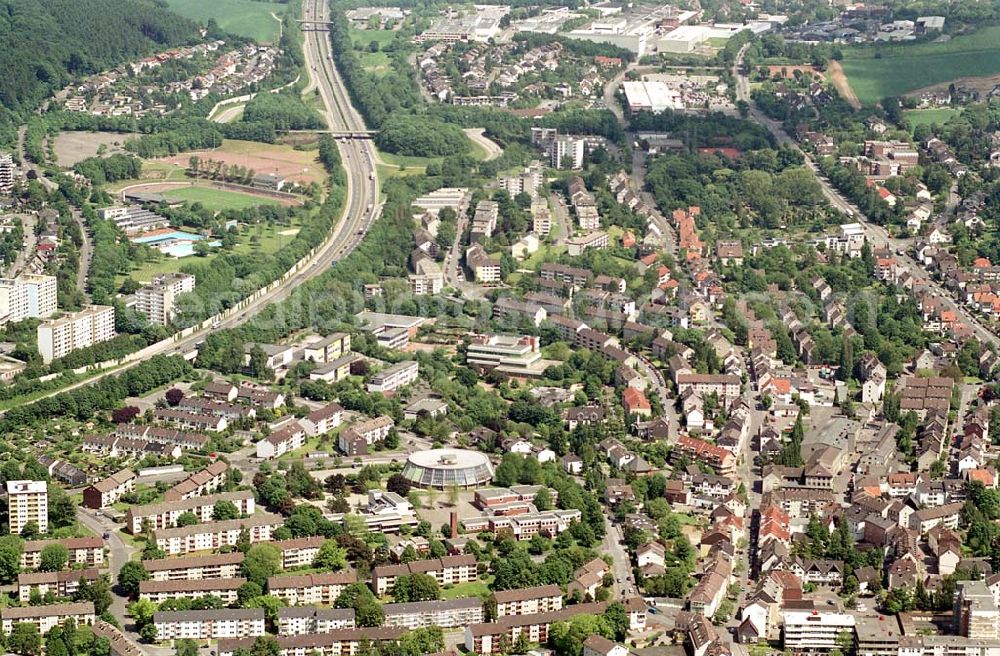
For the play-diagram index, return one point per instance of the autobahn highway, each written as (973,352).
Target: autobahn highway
(361,205)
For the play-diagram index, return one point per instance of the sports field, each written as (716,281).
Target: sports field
(901,69)
(297,165)
(217,199)
(249,18)
(939,115)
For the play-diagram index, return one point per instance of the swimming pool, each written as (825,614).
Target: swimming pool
(174,243)
(161,237)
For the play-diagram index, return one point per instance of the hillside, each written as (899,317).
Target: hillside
(47,42)
(249,18)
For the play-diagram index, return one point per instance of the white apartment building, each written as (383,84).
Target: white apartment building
(160,591)
(46,617)
(446,613)
(27,296)
(156,300)
(213,535)
(87,551)
(517,356)
(566,152)
(195,568)
(6,173)
(209,624)
(28,501)
(528,601)
(299,552)
(164,515)
(303,620)
(810,631)
(75,330)
(310,589)
(392,378)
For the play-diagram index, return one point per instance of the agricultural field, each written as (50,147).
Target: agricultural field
(903,69)
(249,18)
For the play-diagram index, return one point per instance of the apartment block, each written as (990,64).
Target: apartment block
(157,299)
(289,437)
(807,631)
(299,552)
(209,624)
(195,568)
(392,378)
(310,589)
(7,169)
(528,601)
(488,638)
(356,439)
(445,613)
(160,591)
(28,296)
(108,491)
(510,355)
(164,515)
(302,620)
(202,537)
(328,349)
(82,551)
(446,571)
(28,501)
(64,583)
(205,481)
(342,642)
(75,330)
(46,617)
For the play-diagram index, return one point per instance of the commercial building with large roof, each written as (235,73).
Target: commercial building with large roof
(443,468)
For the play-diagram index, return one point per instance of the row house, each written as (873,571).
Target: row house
(310,589)
(449,570)
(164,515)
(210,407)
(195,421)
(205,481)
(160,591)
(819,571)
(209,624)
(303,620)
(195,568)
(88,551)
(113,446)
(162,435)
(214,535)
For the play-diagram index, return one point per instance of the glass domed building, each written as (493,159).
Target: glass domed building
(444,468)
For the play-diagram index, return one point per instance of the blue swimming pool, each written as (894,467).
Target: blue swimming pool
(177,235)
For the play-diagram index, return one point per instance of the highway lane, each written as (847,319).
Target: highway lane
(361,204)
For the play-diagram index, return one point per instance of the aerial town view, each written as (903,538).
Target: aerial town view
(525,328)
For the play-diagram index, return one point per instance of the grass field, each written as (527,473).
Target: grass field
(376,63)
(469,589)
(930,116)
(364,37)
(247,18)
(217,199)
(905,68)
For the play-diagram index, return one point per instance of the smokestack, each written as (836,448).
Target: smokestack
(454,524)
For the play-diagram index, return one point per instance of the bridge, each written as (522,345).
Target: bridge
(337,134)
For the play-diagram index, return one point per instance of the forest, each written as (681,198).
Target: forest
(421,136)
(284,111)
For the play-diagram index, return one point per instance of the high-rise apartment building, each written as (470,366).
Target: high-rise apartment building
(156,300)
(28,501)
(27,296)
(75,330)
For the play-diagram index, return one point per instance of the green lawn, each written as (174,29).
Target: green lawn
(375,62)
(365,37)
(248,18)
(900,69)
(470,589)
(939,115)
(217,199)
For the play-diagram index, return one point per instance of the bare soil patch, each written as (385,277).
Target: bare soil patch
(74,147)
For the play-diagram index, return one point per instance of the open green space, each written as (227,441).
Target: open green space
(877,72)
(376,63)
(249,18)
(216,199)
(470,589)
(938,115)
(365,37)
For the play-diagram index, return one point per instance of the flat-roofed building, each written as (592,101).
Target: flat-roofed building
(876,636)
(812,631)
(394,377)
(75,330)
(27,501)
(195,568)
(157,299)
(211,624)
(329,348)
(509,355)
(28,296)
